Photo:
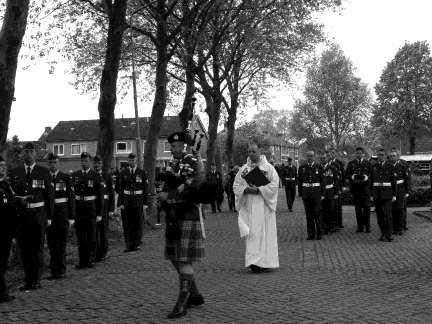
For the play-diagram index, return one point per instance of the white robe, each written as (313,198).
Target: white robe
(257,216)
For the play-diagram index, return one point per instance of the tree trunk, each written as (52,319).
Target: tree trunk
(186,113)
(108,85)
(229,143)
(11,35)
(158,110)
(412,144)
(213,111)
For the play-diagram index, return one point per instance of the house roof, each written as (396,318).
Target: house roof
(88,130)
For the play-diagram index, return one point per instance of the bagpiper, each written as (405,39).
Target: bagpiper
(63,218)
(184,231)
(34,192)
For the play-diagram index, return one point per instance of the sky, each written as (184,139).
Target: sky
(369,32)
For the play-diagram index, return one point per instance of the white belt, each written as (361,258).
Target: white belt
(85,198)
(399,181)
(137,192)
(106,197)
(329,186)
(382,184)
(35,205)
(60,200)
(315,184)
(289,178)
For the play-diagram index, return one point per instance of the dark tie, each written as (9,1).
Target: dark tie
(53,177)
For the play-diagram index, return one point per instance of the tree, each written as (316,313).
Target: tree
(11,35)
(404,93)
(336,104)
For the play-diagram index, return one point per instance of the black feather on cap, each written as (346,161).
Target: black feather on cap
(1,159)
(29,146)
(97,158)
(132,156)
(85,155)
(177,137)
(52,156)
(359,148)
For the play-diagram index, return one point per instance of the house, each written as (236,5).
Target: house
(68,139)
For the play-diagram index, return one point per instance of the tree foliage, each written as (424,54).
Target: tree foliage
(404,93)
(336,103)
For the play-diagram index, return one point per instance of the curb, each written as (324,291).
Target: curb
(424,214)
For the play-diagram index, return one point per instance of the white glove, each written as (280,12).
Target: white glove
(393,199)
(406,195)
(71,222)
(110,214)
(98,219)
(322,197)
(49,222)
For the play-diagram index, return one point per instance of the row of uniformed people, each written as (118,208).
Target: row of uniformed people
(36,201)
(385,182)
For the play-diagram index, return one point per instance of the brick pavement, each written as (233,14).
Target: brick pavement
(344,278)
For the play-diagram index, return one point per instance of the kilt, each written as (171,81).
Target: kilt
(190,247)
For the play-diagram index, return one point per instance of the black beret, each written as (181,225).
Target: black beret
(85,155)
(97,158)
(52,156)
(131,156)
(177,137)
(29,146)
(359,148)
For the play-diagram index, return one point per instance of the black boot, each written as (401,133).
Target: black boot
(195,298)
(180,309)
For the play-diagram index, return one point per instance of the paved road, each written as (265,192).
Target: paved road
(344,278)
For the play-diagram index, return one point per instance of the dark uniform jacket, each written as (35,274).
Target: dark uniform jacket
(382,182)
(341,174)
(64,197)
(310,180)
(402,177)
(331,180)
(132,188)
(37,187)
(108,193)
(88,185)
(358,175)
(184,202)
(7,205)
(289,175)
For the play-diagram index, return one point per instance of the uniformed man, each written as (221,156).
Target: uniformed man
(340,169)
(403,181)
(358,174)
(215,179)
(331,192)
(33,188)
(383,187)
(311,189)
(102,227)
(289,180)
(89,208)
(132,198)
(7,229)
(63,218)
(184,231)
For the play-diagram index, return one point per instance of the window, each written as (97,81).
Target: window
(77,149)
(58,149)
(123,147)
(167,147)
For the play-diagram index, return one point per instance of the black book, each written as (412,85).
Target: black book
(256,178)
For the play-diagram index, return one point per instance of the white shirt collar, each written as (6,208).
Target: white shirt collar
(85,171)
(31,167)
(55,173)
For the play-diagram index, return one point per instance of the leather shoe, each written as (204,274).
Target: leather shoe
(367,230)
(6,298)
(381,238)
(84,266)
(310,238)
(176,312)
(318,237)
(28,287)
(389,239)
(56,277)
(359,230)
(195,301)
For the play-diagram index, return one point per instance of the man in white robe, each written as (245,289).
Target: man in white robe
(257,212)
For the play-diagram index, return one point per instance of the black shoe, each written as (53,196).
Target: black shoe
(381,238)
(359,230)
(389,239)
(319,237)
(399,233)
(367,230)
(84,266)
(195,301)
(177,312)
(310,238)
(56,277)
(180,309)
(28,287)
(405,228)
(290,210)
(6,298)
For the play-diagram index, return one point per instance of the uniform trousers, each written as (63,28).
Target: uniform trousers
(362,211)
(312,207)
(383,209)
(133,222)
(398,214)
(290,191)
(328,215)
(102,229)
(31,239)
(85,227)
(7,231)
(57,238)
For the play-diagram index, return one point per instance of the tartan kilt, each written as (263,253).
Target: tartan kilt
(190,247)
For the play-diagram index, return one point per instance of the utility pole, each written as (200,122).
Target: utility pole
(137,124)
